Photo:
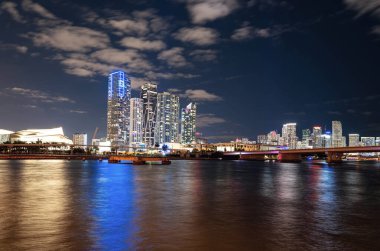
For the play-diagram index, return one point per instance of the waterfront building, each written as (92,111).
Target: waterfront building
(377,141)
(337,132)
(273,138)
(368,141)
(316,137)
(325,140)
(136,122)
(353,139)
(119,94)
(344,141)
(80,139)
(306,138)
(262,139)
(167,118)
(149,96)
(289,135)
(54,135)
(188,123)
(5,136)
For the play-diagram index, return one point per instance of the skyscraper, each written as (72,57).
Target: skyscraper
(336,139)
(167,121)
(368,141)
(188,123)
(149,97)
(316,137)
(136,122)
(306,138)
(119,94)
(289,135)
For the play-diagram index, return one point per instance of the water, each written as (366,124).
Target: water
(189,205)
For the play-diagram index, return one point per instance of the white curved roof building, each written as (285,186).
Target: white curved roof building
(54,135)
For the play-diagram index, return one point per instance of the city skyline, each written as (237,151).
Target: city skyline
(250,64)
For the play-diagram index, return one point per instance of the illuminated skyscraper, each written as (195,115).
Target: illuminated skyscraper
(188,123)
(149,97)
(273,138)
(119,94)
(289,135)
(306,138)
(337,131)
(167,121)
(316,137)
(136,122)
(353,140)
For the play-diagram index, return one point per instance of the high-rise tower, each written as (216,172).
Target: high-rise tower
(167,122)
(149,97)
(119,94)
(336,139)
(188,123)
(136,122)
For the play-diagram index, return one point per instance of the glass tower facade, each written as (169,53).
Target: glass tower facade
(167,122)
(149,97)
(135,122)
(188,123)
(119,94)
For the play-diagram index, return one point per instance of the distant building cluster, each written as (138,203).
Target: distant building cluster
(315,138)
(150,120)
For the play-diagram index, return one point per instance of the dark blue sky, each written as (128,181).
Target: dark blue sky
(250,65)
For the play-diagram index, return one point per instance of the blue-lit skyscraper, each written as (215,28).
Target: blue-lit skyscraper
(119,95)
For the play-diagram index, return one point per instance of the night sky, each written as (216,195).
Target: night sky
(250,65)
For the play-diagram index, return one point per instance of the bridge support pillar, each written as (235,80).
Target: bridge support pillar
(289,157)
(334,157)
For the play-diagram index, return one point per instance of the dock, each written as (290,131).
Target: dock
(138,160)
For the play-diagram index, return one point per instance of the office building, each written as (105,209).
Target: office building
(136,123)
(316,137)
(119,94)
(167,118)
(337,132)
(368,141)
(80,139)
(273,138)
(289,135)
(188,123)
(306,138)
(262,139)
(353,139)
(149,97)
(325,140)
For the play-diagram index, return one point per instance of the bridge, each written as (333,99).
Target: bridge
(333,155)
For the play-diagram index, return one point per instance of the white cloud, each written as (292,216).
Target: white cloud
(243,33)
(204,55)
(206,120)
(11,8)
(169,75)
(134,60)
(197,35)
(201,95)
(246,32)
(173,57)
(19,48)
(364,6)
(30,6)
(38,95)
(78,111)
(129,26)
(70,38)
(202,11)
(142,44)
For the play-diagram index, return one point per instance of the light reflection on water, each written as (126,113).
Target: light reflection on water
(189,205)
